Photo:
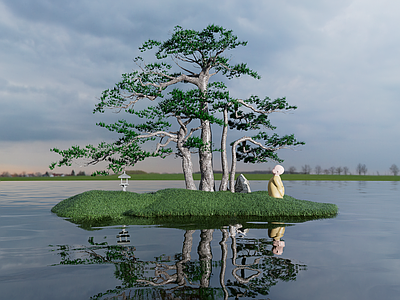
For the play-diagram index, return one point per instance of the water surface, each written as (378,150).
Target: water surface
(353,256)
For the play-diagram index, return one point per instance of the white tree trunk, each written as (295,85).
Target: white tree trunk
(205,156)
(205,153)
(224,159)
(205,256)
(187,165)
(233,168)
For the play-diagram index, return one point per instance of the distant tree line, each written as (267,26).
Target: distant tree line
(361,169)
(39,174)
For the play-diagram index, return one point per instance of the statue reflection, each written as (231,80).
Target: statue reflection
(276,234)
(251,270)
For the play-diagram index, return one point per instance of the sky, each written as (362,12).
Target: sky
(337,61)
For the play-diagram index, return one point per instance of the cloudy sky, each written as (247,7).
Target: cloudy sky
(338,61)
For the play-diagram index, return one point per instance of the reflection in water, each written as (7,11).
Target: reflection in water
(252,270)
(123,237)
(276,234)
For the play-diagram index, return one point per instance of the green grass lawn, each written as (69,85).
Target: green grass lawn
(157,176)
(113,205)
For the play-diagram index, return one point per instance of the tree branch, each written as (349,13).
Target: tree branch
(254,109)
(184,69)
(159,145)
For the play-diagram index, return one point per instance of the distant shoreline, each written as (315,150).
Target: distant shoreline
(249,176)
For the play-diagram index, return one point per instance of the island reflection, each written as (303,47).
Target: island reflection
(248,267)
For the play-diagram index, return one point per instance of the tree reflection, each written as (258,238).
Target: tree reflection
(249,269)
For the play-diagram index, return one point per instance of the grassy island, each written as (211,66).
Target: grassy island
(101,205)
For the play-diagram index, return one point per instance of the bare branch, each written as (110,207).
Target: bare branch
(246,138)
(184,68)
(191,133)
(159,145)
(222,65)
(158,134)
(233,166)
(254,109)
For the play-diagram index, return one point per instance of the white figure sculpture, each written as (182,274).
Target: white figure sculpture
(275,185)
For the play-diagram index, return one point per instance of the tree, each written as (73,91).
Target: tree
(318,169)
(345,170)
(361,169)
(394,169)
(332,170)
(198,55)
(339,170)
(306,169)
(292,170)
(184,106)
(250,114)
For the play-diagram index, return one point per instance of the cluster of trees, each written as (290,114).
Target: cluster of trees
(361,169)
(182,117)
(307,169)
(23,174)
(39,174)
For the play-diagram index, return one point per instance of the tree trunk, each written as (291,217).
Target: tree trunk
(205,256)
(224,258)
(205,152)
(205,155)
(187,165)
(224,159)
(186,249)
(233,167)
(187,245)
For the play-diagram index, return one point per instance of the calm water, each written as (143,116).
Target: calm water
(353,256)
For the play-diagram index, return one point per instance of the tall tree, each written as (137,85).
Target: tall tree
(361,169)
(345,170)
(394,169)
(183,106)
(339,170)
(306,169)
(318,169)
(249,115)
(197,55)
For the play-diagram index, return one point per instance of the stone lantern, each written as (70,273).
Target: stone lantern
(124,180)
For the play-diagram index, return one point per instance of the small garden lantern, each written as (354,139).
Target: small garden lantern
(124,180)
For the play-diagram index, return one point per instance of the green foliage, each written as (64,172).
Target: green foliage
(125,151)
(201,54)
(209,43)
(198,48)
(180,202)
(256,154)
(241,120)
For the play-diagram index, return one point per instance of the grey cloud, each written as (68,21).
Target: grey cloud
(333,59)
